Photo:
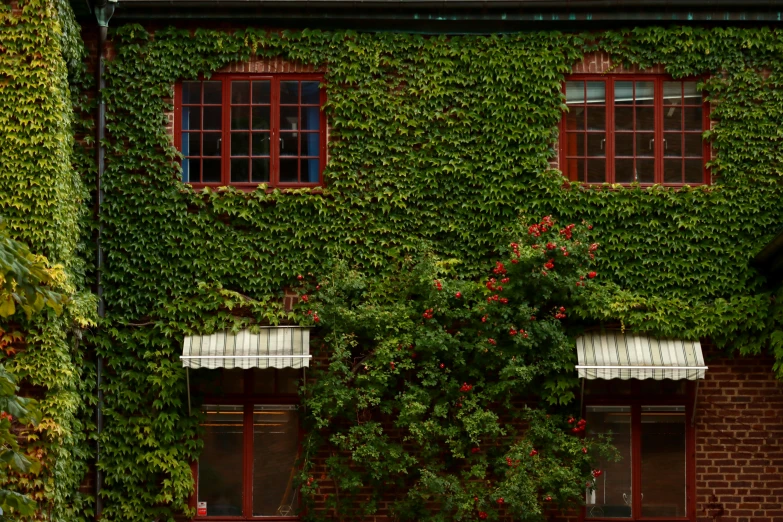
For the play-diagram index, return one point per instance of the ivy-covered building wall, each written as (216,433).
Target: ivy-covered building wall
(443,139)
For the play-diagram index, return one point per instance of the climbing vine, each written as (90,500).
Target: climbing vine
(441,139)
(43,204)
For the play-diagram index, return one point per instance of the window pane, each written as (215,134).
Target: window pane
(623,118)
(311,144)
(645,144)
(663,461)
(260,170)
(691,94)
(213,93)
(240,144)
(672,171)
(217,383)
(672,118)
(311,118)
(260,144)
(645,93)
(240,170)
(623,144)
(694,171)
(693,145)
(191,118)
(289,144)
(311,94)
(289,92)
(623,171)
(191,92)
(240,118)
(596,118)
(211,172)
(261,118)
(261,92)
(240,93)
(212,117)
(577,169)
(623,93)
(596,92)
(611,497)
(596,171)
(264,381)
(645,118)
(579,142)
(645,170)
(575,93)
(575,118)
(289,118)
(191,170)
(673,144)
(220,464)
(275,447)
(596,144)
(672,93)
(211,144)
(693,118)
(310,170)
(289,171)
(191,144)
(288,379)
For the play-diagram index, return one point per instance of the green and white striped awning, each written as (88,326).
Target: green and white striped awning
(271,347)
(621,356)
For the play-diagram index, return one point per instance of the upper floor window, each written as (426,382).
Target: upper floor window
(244,130)
(625,129)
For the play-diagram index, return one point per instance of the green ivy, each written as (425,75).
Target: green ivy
(43,203)
(443,139)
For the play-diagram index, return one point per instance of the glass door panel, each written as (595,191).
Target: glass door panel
(611,497)
(663,461)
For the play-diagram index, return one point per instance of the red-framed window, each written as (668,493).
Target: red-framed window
(244,130)
(251,439)
(650,425)
(634,128)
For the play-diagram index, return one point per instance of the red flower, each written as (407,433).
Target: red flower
(548,498)
(504,300)
(482,515)
(584,450)
(484,319)
(475,450)
(316,318)
(512,332)
(551,246)
(500,500)
(571,420)
(492,341)
(458,295)
(300,277)
(391,364)
(442,366)
(533,453)
(305,298)
(591,275)
(597,473)
(515,261)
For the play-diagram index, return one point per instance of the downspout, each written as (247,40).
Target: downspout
(104,9)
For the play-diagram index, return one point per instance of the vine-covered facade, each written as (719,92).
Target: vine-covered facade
(239,157)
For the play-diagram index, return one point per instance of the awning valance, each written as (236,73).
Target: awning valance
(271,347)
(621,356)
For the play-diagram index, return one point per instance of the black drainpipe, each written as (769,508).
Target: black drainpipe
(104,9)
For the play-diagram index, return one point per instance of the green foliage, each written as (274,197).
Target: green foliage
(22,411)
(42,201)
(427,377)
(22,276)
(446,139)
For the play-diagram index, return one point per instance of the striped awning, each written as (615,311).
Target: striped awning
(621,356)
(272,347)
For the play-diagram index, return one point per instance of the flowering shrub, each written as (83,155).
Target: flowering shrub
(436,388)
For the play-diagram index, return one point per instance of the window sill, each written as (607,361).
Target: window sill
(312,188)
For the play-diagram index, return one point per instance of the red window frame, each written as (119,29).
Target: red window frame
(659,144)
(248,399)
(636,399)
(274,131)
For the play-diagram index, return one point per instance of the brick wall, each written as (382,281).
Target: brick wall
(739,442)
